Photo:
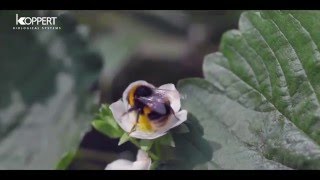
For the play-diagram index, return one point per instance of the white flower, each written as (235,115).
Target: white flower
(144,129)
(143,162)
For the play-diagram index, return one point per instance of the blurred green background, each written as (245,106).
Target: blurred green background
(53,81)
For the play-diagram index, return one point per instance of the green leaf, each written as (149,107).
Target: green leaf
(181,129)
(107,129)
(228,152)
(124,138)
(167,140)
(154,165)
(66,160)
(106,124)
(190,150)
(260,97)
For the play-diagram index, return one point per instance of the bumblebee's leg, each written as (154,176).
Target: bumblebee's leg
(135,124)
(130,110)
(172,111)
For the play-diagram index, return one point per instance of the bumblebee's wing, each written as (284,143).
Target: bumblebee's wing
(166,92)
(162,91)
(171,94)
(155,103)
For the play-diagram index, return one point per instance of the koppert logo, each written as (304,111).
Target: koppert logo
(35,20)
(35,23)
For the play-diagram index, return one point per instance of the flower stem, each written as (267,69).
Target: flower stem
(151,154)
(135,142)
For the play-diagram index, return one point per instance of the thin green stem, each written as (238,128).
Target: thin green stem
(135,142)
(151,154)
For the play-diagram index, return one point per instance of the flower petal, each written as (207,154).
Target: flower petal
(126,92)
(142,165)
(182,117)
(173,95)
(143,162)
(172,122)
(142,155)
(120,164)
(126,121)
(144,135)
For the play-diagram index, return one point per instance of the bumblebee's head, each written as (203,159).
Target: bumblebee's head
(142,91)
(137,89)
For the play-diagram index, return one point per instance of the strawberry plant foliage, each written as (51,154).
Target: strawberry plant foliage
(260,98)
(45,104)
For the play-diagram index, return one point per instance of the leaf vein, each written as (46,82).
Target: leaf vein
(263,63)
(279,65)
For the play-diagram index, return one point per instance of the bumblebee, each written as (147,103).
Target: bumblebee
(152,106)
